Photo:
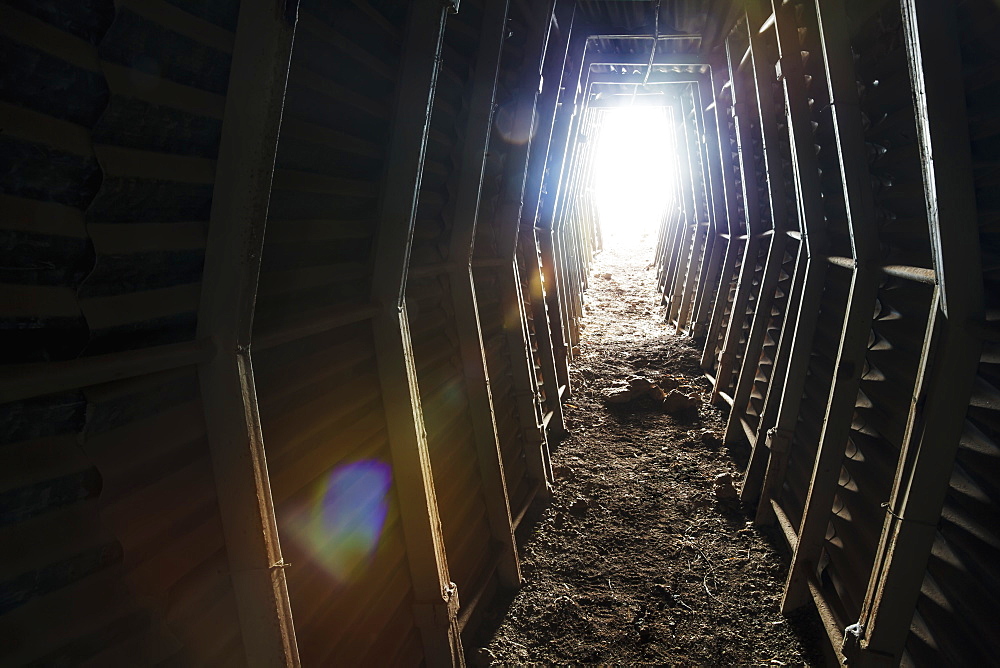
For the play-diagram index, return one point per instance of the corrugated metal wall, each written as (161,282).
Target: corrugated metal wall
(960,582)
(428,240)
(112,116)
(318,389)
(848,317)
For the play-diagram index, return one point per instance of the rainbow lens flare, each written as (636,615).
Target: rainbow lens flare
(515,120)
(342,525)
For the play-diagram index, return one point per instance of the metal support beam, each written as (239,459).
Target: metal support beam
(794,351)
(507,225)
(763,75)
(744,115)
(240,198)
(657,79)
(536,243)
(642,33)
(700,214)
(709,284)
(730,196)
(564,207)
(470,337)
(860,210)
(688,221)
(548,184)
(641,59)
(435,596)
(560,154)
(937,415)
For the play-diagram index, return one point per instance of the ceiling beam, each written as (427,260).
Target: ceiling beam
(595,58)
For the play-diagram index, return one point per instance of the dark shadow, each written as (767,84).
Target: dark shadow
(805,621)
(739,452)
(491,615)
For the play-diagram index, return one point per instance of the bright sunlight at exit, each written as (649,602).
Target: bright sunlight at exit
(633,173)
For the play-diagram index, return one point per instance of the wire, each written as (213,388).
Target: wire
(907,519)
(652,52)
(656,38)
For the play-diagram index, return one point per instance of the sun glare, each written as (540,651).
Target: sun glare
(632,173)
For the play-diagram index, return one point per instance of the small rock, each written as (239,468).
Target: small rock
(619,396)
(562,472)
(676,402)
(724,490)
(710,439)
(639,384)
(700,502)
(579,508)
(663,591)
(668,383)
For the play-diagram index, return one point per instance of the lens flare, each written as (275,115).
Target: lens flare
(515,121)
(341,526)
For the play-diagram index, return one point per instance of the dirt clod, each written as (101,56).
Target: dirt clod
(579,508)
(724,490)
(619,396)
(562,472)
(678,402)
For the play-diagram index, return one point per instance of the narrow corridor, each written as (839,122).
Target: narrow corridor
(644,555)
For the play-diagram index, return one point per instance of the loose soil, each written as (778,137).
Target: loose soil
(643,556)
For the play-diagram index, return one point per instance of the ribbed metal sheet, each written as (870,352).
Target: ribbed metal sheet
(112,114)
(317,382)
(859,477)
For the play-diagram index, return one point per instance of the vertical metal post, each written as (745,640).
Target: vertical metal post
(245,165)
(470,336)
(714,184)
(763,78)
(687,228)
(435,596)
(675,218)
(553,177)
(729,196)
(507,219)
(742,119)
(542,278)
(937,415)
(796,335)
(860,209)
(699,215)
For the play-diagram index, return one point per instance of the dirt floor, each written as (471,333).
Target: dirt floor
(644,555)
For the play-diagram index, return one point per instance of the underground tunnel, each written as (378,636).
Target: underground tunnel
(343,332)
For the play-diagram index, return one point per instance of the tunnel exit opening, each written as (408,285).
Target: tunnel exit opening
(633,173)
